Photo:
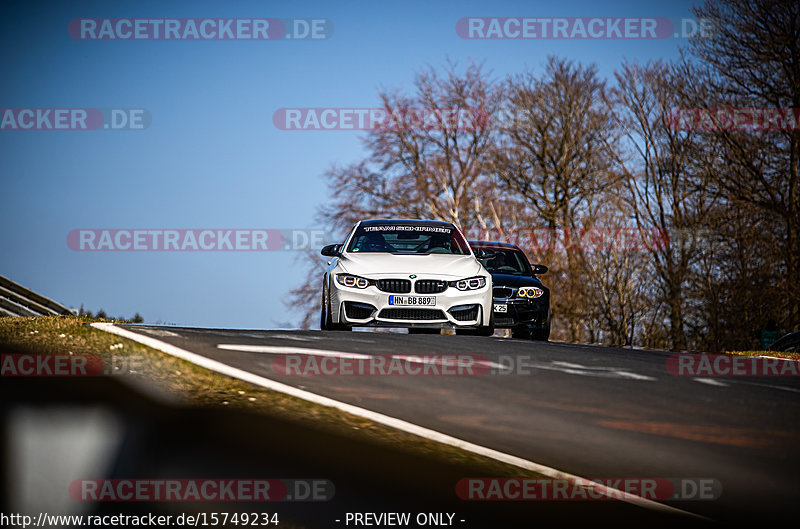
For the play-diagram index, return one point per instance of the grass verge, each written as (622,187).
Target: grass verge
(773,354)
(191,385)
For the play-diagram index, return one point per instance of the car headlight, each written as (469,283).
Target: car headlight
(530,292)
(470,283)
(352,281)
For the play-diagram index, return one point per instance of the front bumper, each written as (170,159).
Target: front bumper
(521,312)
(371,307)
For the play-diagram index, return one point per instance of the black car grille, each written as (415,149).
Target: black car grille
(358,311)
(465,312)
(412,314)
(499,322)
(430,286)
(502,292)
(396,286)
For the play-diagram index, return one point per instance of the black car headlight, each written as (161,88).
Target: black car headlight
(470,283)
(349,280)
(530,292)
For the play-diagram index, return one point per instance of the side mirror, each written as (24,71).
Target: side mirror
(332,250)
(539,269)
(483,253)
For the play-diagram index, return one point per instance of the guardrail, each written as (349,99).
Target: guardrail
(16,300)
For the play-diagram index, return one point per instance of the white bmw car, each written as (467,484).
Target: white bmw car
(418,274)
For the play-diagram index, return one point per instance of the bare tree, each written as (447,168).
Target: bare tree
(554,152)
(665,178)
(616,271)
(564,152)
(753,56)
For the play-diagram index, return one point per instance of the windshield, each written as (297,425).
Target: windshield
(408,239)
(510,262)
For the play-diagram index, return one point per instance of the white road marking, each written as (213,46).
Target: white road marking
(290,337)
(160,332)
(711,382)
(589,371)
(285,350)
(380,418)
(449,360)
(306,338)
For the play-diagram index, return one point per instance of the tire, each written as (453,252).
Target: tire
(522,333)
(325,319)
(485,331)
(323,315)
(489,329)
(541,335)
(480,331)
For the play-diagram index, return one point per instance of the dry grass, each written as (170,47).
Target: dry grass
(774,354)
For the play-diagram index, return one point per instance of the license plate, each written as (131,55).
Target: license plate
(413,301)
(500,307)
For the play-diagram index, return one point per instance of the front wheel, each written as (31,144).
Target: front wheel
(542,334)
(485,331)
(323,313)
(480,331)
(489,329)
(325,318)
(521,333)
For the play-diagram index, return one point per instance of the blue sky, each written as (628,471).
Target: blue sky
(212,158)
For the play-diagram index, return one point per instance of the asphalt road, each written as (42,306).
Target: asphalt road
(596,412)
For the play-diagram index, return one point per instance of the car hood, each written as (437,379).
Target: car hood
(380,264)
(509,280)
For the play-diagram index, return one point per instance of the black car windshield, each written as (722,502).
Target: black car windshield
(511,262)
(408,239)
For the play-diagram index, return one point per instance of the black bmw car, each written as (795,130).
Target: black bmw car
(520,301)
(788,344)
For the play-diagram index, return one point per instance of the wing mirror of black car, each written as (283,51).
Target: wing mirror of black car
(539,269)
(332,250)
(482,253)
